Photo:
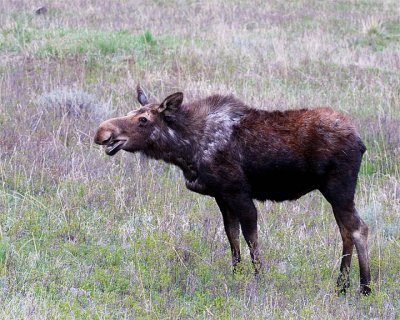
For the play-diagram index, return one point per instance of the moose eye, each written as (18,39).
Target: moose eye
(142,120)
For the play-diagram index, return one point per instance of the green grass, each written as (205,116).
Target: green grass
(85,236)
(70,42)
(24,35)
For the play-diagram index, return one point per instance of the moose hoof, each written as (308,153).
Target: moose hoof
(365,290)
(343,284)
(341,291)
(237,269)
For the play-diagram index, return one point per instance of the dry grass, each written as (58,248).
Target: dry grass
(86,236)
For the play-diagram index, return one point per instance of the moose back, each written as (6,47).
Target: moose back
(236,153)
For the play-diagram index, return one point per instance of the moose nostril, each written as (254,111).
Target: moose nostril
(106,141)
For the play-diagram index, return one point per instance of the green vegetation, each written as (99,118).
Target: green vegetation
(71,42)
(379,35)
(85,236)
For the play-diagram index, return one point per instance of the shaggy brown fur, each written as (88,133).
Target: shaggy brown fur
(235,154)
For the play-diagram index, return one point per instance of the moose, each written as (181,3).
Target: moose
(237,153)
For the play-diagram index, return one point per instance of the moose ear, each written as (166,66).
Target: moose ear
(141,96)
(171,103)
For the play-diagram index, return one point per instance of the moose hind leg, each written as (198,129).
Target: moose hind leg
(339,189)
(360,238)
(232,230)
(354,231)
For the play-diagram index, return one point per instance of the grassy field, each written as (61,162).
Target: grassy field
(86,236)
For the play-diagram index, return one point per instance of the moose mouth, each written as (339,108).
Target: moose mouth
(114,146)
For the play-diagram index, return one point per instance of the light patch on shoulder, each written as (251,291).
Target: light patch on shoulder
(171,133)
(218,130)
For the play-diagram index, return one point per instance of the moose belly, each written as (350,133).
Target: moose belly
(281,186)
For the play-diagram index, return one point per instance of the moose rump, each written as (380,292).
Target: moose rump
(236,153)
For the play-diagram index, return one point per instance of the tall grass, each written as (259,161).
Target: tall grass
(83,235)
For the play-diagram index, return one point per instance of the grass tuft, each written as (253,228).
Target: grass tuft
(73,102)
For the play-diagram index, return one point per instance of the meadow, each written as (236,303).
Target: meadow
(86,236)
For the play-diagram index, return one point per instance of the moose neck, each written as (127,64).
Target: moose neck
(175,143)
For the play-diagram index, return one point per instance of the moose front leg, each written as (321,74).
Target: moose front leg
(242,207)
(232,229)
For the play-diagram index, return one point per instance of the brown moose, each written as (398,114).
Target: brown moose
(236,153)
